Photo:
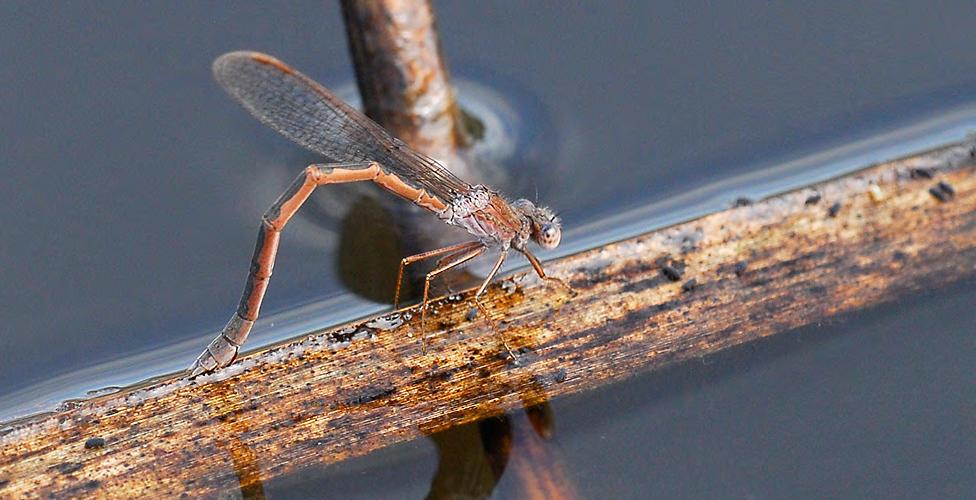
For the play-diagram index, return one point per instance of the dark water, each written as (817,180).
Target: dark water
(131,185)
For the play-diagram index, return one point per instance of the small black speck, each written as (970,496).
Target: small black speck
(689,285)
(834,209)
(741,267)
(4,482)
(560,375)
(813,199)
(938,194)
(942,191)
(95,442)
(743,202)
(921,173)
(671,273)
(899,255)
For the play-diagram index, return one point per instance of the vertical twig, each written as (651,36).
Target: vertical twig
(402,75)
(405,86)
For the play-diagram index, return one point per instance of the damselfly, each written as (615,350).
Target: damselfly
(358,149)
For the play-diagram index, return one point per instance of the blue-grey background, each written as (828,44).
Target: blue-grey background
(131,186)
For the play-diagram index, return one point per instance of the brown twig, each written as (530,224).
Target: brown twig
(402,75)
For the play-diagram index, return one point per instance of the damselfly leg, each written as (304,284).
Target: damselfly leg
(224,348)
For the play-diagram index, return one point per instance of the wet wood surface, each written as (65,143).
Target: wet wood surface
(636,305)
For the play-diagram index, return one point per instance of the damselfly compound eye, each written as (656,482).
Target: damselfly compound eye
(548,236)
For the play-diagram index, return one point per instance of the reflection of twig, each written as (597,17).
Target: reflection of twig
(463,470)
(519,443)
(534,463)
(473,457)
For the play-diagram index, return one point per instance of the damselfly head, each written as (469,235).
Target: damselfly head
(545,225)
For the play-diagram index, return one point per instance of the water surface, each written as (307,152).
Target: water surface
(132,186)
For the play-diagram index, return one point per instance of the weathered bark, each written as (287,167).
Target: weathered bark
(760,269)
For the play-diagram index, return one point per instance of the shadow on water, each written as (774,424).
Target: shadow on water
(369,251)
(473,458)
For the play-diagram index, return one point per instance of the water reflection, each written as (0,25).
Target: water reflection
(473,458)
(520,443)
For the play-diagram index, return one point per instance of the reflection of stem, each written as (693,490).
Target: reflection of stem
(519,443)
(462,468)
(534,462)
(472,458)
(225,405)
